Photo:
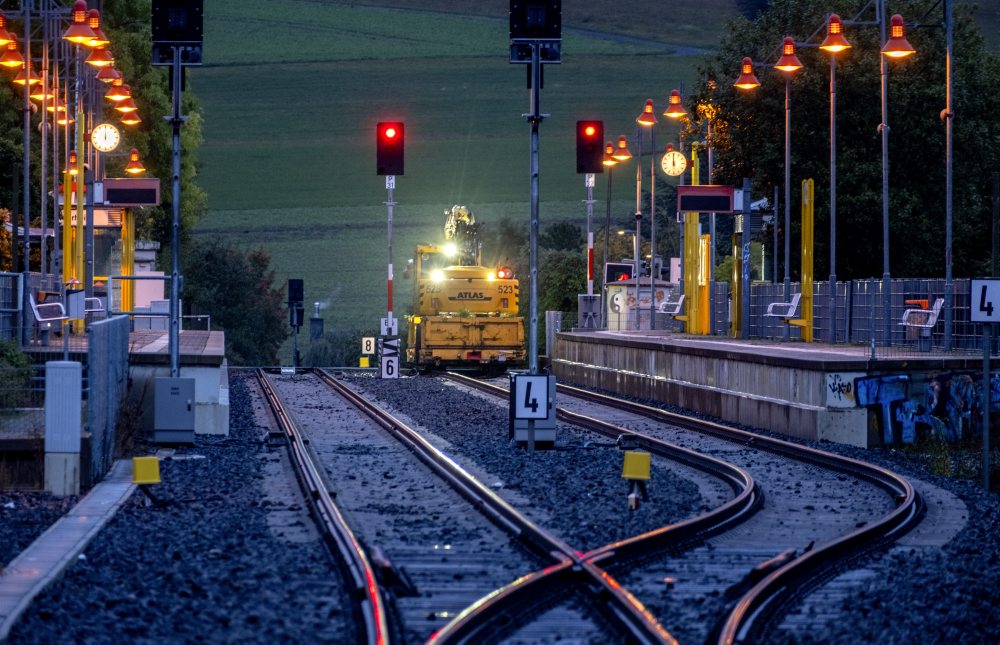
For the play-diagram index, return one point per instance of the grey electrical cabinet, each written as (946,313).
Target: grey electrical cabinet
(173,409)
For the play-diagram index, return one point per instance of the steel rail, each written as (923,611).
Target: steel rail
(340,539)
(764,600)
(748,499)
(621,607)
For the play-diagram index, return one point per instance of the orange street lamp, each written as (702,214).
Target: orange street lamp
(41,93)
(79,32)
(27,77)
(118,91)
(609,155)
(94,22)
(897,45)
(134,166)
(5,37)
(126,105)
(647,117)
(12,58)
(833,43)
(63,118)
(100,57)
(747,80)
(674,108)
(621,152)
(131,118)
(73,163)
(618,155)
(788,62)
(108,74)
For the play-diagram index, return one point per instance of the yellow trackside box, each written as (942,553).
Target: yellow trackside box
(636,465)
(145,470)
(363,361)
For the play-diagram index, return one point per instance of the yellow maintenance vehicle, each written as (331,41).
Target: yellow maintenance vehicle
(464,314)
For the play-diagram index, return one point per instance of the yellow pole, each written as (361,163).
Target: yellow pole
(692,266)
(128,261)
(704,276)
(67,232)
(735,306)
(81,216)
(808,194)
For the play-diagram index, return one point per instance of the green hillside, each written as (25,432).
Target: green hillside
(292,89)
(288,159)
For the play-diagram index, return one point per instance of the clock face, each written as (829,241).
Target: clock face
(673,163)
(105,137)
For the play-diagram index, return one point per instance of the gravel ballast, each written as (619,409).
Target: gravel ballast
(208,567)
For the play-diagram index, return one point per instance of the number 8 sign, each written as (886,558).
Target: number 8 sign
(984,298)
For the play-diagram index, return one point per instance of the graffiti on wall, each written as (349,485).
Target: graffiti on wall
(840,389)
(945,405)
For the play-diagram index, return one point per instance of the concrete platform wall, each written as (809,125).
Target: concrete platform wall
(780,396)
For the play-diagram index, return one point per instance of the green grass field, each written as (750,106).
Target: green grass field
(288,159)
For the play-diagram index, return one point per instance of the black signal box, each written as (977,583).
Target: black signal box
(536,24)
(295,290)
(590,147)
(389,140)
(535,19)
(177,23)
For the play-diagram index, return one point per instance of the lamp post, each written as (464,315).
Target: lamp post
(948,116)
(647,119)
(895,47)
(833,43)
(613,155)
(788,64)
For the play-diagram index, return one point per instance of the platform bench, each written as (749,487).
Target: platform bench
(672,308)
(787,311)
(48,315)
(924,320)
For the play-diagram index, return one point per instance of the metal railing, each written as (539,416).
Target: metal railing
(860,313)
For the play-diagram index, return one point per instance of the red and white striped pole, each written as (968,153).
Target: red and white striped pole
(390,186)
(589,180)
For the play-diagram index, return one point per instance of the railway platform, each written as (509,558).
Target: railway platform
(202,357)
(812,391)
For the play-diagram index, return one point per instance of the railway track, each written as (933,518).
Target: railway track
(823,511)
(396,584)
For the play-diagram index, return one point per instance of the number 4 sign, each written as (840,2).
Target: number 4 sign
(984,297)
(531,396)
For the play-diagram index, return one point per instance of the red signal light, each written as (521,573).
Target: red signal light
(589,148)
(389,139)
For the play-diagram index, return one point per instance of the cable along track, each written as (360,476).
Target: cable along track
(782,579)
(567,577)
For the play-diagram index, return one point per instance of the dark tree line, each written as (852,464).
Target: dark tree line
(750,133)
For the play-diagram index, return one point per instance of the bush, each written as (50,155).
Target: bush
(15,375)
